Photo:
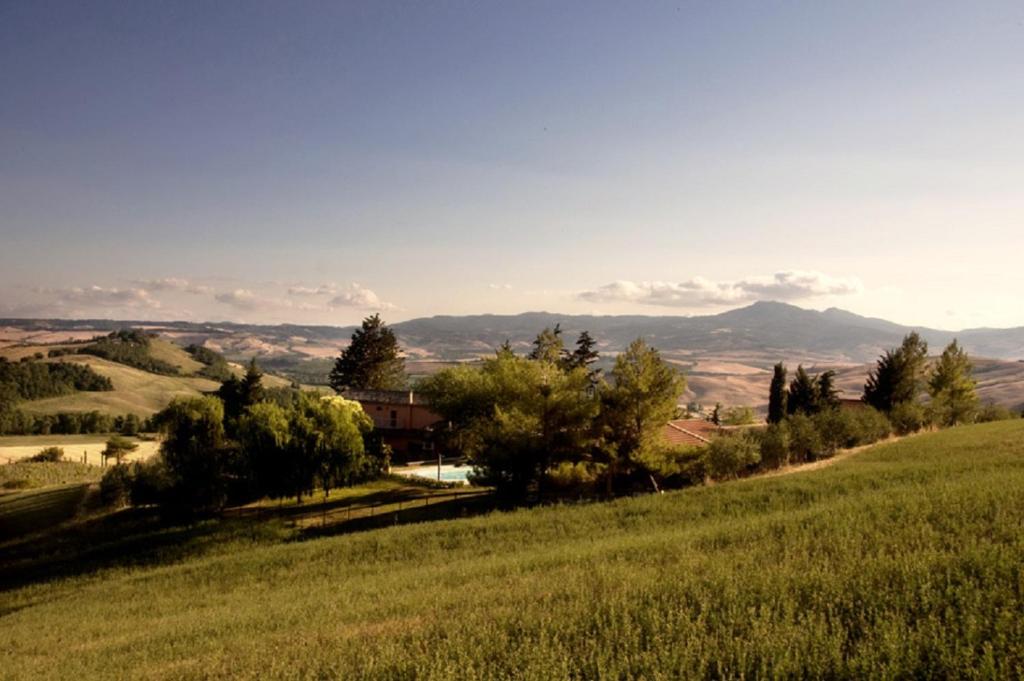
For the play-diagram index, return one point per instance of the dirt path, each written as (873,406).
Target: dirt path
(841,455)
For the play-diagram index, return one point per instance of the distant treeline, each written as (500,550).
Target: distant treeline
(129,347)
(16,422)
(39,380)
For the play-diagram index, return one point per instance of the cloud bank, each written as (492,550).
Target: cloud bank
(701,292)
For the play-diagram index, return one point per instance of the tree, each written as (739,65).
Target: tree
(897,375)
(548,346)
(584,355)
(642,398)
(239,394)
(195,453)
(263,433)
(515,418)
(727,456)
(117,448)
(372,361)
(828,396)
(803,395)
(777,395)
(952,387)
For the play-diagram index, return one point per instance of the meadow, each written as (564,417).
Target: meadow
(903,561)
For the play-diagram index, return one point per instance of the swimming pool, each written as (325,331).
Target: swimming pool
(449,473)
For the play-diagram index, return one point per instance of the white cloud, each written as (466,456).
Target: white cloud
(175,284)
(321,290)
(241,298)
(500,287)
(701,292)
(101,297)
(361,297)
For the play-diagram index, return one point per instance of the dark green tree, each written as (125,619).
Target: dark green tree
(898,374)
(777,395)
(828,396)
(584,354)
(803,393)
(372,361)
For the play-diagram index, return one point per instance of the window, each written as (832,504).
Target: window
(394,418)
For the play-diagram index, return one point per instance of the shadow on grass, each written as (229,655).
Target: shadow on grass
(140,537)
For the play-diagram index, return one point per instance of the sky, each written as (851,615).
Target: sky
(315,162)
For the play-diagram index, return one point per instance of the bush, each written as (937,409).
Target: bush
(804,440)
(995,412)
(908,417)
(116,486)
(150,482)
(870,425)
(573,479)
(727,456)
(52,454)
(775,445)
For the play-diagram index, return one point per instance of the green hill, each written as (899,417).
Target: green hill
(135,391)
(904,561)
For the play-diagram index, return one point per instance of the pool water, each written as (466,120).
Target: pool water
(449,473)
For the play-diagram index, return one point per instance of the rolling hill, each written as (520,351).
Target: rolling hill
(726,356)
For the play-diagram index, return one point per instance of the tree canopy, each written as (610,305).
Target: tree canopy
(372,361)
(952,387)
(898,375)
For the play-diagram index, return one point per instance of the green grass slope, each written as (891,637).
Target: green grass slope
(904,561)
(135,391)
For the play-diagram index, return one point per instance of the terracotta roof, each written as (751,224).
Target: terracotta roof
(695,432)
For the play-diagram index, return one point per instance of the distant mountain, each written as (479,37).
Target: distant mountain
(763,329)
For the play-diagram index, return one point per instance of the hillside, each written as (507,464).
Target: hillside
(135,391)
(727,356)
(903,561)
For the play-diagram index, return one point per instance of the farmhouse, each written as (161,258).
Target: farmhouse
(402,417)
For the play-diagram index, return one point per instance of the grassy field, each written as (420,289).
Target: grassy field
(33,474)
(904,561)
(17,447)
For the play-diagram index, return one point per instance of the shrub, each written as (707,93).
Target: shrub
(729,455)
(150,482)
(53,454)
(908,417)
(995,412)
(775,445)
(804,440)
(116,485)
(572,479)
(870,425)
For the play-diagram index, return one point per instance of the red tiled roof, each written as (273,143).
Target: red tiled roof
(693,432)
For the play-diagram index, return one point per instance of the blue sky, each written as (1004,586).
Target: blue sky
(311,162)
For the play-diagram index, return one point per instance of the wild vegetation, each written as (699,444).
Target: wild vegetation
(901,562)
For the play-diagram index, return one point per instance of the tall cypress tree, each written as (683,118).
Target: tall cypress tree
(777,394)
(803,393)
(371,361)
(828,396)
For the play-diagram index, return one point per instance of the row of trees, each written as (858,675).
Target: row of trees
(17,422)
(525,422)
(246,443)
(895,387)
